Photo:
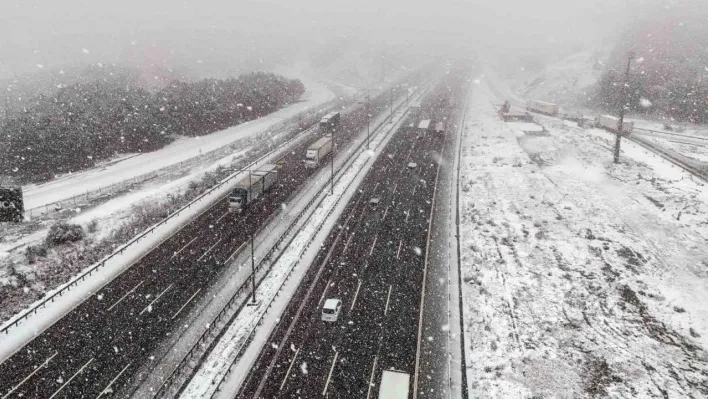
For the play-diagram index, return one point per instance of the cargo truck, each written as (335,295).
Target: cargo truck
(317,151)
(251,185)
(542,107)
(394,385)
(329,122)
(611,123)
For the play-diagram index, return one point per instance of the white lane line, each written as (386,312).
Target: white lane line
(375,186)
(388,298)
(373,245)
(373,372)
(209,250)
(41,366)
(123,297)
(416,186)
(349,239)
(236,251)
(223,216)
(178,252)
(398,253)
(106,390)
(386,211)
(155,300)
(72,377)
(408,213)
(356,294)
(282,384)
(395,185)
(186,303)
(329,377)
(327,287)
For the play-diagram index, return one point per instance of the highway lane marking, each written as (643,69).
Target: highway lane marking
(356,294)
(70,379)
(237,249)
(347,244)
(385,212)
(209,250)
(156,298)
(331,369)
(373,372)
(105,390)
(408,213)
(416,186)
(185,304)
(123,297)
(398,253)
(373,245)
(41,366)
(178,252)
(222,216)
(282,384)
(388,298)
(375,186)
(325,292)
(395,185)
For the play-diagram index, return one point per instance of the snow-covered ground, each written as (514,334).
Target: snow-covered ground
(182,149)
(581,278)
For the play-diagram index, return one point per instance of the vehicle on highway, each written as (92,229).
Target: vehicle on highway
(611,123)
(317,151)
(415,108)
(440,127)
(329,122)
(412,165)
(331,309)
(394,385)
(424,124)
(374,201)
(251,185)
(543,107)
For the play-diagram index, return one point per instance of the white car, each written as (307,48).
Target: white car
(412,165)
(330,310)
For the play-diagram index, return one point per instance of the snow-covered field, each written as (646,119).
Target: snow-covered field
(581,278)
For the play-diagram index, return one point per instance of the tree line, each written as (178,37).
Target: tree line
(85,123)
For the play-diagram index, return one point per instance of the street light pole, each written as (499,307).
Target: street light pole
(331,178)
(253,273)
(391,101)
(368,119)
(620,124)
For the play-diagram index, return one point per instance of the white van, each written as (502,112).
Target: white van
(330,310)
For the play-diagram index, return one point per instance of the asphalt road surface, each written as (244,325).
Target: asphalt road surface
(93,350)
(374,263)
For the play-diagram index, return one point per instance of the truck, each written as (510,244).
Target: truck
(611,123)
(251,185)
(542,107)
(394,385)
(318,150)
(424,124)
(329,122)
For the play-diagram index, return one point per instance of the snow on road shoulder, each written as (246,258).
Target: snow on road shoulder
(581,278)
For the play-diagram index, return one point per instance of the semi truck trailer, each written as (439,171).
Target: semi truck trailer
(543,107)
(611,123)
(251,185)
(394,385)
(317,151)
(329,122)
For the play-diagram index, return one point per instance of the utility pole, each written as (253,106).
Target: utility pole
(620,124)
(331,178)
(391,101)
(253,273)
(368,118)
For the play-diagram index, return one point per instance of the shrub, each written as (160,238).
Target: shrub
(62,232)
(34,251)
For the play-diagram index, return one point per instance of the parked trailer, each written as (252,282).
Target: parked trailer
(318,150)
(440,127)
(329,122)
(424,124)
(394,385)
(543,107)
(611,123)
(251,186)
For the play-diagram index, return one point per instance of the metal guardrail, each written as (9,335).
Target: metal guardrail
(91,269)
(180,368)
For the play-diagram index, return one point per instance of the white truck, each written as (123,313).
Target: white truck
(318,150)
(611,123)
(330,122)
(251,185)
(424,124)
(394,385)
(543,107)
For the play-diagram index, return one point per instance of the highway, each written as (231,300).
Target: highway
(93,350)
(375,263)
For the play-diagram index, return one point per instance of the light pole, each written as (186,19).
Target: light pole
(368,119)
(253,273)
(331,187)
(620,124)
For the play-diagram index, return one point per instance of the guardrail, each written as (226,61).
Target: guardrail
(91,269)
(694,171)
(215,324)
(57,206)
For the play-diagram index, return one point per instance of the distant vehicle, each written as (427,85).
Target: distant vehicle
(412,165)
(611,123)
(251,185)
(318,150)
(394,385)
(542,107)
(12,208)
(424,124)
(329,122)
(331,309)
(374,201)
(440,127)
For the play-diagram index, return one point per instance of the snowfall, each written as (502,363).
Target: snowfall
(582,278)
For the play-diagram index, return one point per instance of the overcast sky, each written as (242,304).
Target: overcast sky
(57,32)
